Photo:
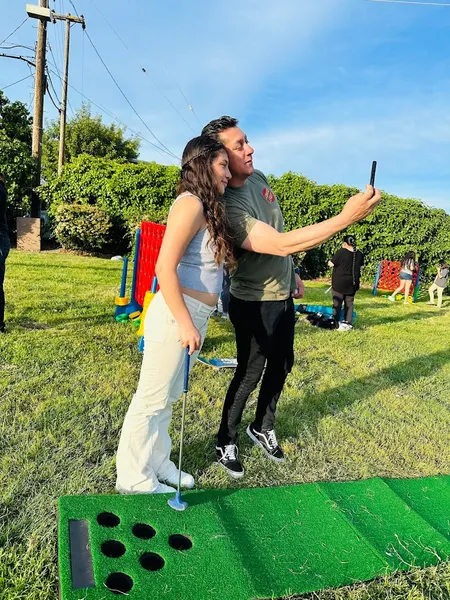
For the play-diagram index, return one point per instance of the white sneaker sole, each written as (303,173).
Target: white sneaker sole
(258,443)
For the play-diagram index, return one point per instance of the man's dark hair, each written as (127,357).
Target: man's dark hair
(2,177)
(214,128)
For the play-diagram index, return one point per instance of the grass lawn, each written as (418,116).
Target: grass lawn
(372,402)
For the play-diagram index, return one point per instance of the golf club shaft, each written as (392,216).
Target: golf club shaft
(183,412)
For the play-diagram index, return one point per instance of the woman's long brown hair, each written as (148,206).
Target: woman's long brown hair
(197,177)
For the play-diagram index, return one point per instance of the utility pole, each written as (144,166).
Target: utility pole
(62,127)
(39,86)
(44,14)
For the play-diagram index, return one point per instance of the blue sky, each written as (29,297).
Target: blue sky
(322,87)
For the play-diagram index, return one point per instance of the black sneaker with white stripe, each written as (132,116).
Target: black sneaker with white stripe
(227,456)
(268,442)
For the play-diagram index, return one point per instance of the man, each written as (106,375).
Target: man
(4,249)
(262,291)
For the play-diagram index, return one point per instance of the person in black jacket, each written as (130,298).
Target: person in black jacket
(4,248)
(346,263)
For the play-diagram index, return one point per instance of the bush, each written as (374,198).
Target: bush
(88,228)
(397,226)
(125,191)
(129,193)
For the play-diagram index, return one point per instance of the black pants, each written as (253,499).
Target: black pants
(264,338)
(4,251)
(348,300)
(226,290)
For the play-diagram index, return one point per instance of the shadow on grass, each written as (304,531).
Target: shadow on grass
(366,321)
(63,267)
(23,321)
(313,407)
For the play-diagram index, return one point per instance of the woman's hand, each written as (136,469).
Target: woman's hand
(190,338)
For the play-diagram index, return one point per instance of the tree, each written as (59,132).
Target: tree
(86,134)
(16,161)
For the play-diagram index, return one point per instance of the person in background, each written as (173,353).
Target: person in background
(5,247)
(408,265)
(346,264)
(439,284)
(195,246)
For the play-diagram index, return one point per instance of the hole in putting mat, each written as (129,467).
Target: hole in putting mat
(119,583)
(143,532)
(113,549)
(107,519)
(151,561)
(179,542)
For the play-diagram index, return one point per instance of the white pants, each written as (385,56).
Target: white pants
(143,456)
(439,290)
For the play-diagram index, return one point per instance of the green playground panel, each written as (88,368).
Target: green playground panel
(256,543)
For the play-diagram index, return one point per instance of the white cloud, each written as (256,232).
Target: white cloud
(411,149)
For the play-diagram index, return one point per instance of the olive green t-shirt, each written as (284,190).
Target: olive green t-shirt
(258,276)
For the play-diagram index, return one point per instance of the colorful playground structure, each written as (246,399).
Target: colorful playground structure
(144,283)
(388,277)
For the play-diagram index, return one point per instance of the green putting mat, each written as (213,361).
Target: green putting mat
(250,543)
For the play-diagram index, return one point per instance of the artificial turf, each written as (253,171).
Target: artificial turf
(253,543)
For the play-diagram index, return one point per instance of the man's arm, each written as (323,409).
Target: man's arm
(265,239)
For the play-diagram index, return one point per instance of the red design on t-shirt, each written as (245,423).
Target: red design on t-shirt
(268,195)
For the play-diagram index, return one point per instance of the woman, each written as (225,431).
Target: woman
(439,284)
(408,265)
(190,272)
(346,264)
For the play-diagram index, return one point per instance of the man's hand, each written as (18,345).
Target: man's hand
(360,205)
(300,288)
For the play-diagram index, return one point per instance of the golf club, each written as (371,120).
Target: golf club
(177,503)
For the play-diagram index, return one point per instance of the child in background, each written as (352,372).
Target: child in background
(439,284)
(408,265)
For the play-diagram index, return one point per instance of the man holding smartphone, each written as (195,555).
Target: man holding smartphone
(262,290)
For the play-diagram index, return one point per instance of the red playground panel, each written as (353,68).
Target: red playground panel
(149,247)
(388,277)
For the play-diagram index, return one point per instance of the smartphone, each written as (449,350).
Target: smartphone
(373,172)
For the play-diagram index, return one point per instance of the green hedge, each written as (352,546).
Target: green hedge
(129,193)
(397,225)
(88,228)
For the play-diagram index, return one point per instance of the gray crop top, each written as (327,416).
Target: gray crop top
(197,269)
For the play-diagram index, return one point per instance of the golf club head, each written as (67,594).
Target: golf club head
(177,503)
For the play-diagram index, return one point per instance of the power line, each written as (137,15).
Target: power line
(24,58)
(73,6)
(11,84)
(110,114)
(143,69)
(412,2)
(58,108)
(167,151)
(51,83)
(12,46)
(16,29)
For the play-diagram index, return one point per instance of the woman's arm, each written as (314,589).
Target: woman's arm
(185,220)
(330,264)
